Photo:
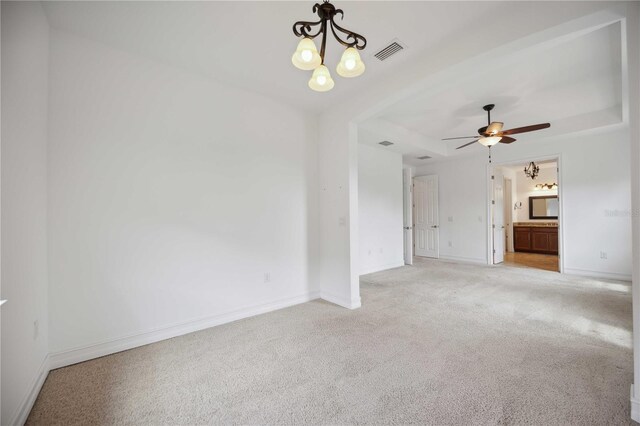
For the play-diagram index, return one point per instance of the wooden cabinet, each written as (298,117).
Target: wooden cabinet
(536,239)
(522,238)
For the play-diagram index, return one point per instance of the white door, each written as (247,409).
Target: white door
(425,219)
(498,216)
(407,226)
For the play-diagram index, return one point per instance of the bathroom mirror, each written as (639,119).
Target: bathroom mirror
(543,207)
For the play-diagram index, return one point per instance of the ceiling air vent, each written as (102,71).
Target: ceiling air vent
(385,143)
(393,48)
(424,157)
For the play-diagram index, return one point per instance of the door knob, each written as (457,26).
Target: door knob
(434,226)
(407,228)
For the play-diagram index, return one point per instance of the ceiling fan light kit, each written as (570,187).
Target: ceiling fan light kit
(492,133)
(307,58)
(489,140)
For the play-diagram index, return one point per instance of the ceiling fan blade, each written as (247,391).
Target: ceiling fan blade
(467,144)
(526,129)
(507,139)
(461,137)
(494,128)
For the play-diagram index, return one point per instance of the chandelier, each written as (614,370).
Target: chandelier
(307,58)
(532,170)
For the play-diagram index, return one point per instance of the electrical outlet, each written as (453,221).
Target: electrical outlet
(342,221)
(479,218)
(267,277)
(369,252)
(450,218)
(450,244)
(36,329)
(603,255)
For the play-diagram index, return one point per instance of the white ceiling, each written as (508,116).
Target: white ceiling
(575,85)
(249,44)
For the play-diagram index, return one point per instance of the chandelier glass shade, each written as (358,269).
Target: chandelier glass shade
(307,58)
(350,64)
(321,80)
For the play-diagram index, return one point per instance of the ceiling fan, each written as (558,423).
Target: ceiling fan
(492,133)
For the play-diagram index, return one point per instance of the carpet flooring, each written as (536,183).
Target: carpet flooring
(434,343)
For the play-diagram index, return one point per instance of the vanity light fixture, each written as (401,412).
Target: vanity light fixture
(307,58)
(532,170)
(546,186)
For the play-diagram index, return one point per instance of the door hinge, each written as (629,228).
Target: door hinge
(494,251)
(493,201)
(493,226)
(492,177)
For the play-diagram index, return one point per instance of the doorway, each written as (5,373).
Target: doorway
(525,214)
(426,232)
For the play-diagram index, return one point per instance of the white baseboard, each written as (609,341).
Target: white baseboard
(465,260)
(597,274)
(21,414)
(85,353)
(341,301)
(635,406)
(378,268)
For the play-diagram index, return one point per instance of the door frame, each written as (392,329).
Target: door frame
(489,193)
(508,215)
(407,215)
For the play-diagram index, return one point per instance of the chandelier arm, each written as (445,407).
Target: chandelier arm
(303,28)
(323,45)
(357,38)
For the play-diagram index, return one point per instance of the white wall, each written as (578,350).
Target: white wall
(462,207)
(380,209)
(595,192)
(170,198)
(633,86)
(25,45)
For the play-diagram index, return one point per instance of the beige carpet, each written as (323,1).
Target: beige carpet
(435,343)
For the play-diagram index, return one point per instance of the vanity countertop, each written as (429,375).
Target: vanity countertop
(537,224)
